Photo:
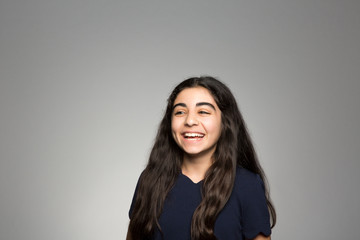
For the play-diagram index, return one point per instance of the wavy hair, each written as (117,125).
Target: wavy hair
(234,148)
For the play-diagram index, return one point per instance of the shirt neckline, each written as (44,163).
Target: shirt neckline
(189,179)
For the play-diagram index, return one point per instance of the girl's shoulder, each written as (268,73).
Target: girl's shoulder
(248,180)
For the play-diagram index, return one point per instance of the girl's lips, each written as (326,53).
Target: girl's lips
(193,135)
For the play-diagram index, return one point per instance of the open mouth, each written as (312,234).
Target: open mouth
(193,135)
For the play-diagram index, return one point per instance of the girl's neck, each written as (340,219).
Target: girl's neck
(195,167)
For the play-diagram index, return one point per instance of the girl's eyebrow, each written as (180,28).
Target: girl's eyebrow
(179,104)
(197,104)
(205,103)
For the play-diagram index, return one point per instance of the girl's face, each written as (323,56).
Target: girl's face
(196,122)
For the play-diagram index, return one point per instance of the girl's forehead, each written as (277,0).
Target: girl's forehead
(194,94)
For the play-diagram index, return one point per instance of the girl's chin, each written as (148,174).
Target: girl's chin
(192,153)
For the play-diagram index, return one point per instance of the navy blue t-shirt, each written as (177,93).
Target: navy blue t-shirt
(244,216)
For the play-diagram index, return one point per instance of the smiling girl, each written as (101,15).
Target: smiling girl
(203,179)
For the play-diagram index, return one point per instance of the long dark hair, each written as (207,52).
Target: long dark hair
(234,148)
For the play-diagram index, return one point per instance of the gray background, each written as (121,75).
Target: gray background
(84,84)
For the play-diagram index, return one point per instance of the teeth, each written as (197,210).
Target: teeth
(194,135)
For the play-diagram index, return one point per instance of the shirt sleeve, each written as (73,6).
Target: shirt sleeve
(254,210)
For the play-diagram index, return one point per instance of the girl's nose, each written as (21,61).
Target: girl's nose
(191,120)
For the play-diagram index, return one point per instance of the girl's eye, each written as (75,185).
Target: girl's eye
(204,112)
(179,112)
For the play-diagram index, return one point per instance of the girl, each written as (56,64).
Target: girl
(203,180)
